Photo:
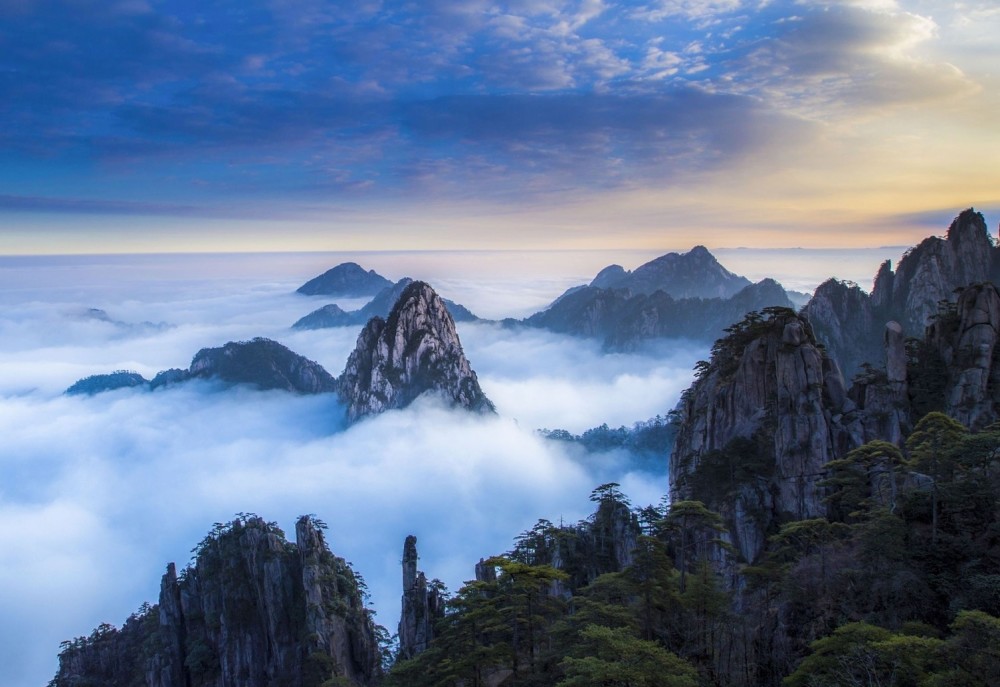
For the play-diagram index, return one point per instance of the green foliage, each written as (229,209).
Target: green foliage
(721,473)
(851,480)
(612,657)
(863,654)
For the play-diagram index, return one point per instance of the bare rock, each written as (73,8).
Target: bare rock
(415,350)
(422,605)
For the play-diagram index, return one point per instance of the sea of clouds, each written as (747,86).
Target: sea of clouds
(99,493)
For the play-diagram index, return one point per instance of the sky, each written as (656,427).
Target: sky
(143,126)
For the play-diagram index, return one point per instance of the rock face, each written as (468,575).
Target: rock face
(624,320)
(254,610)
(346,279)
(422,605)
(770,409)
(758,425)
(414,351)
(850,323)
(334,316)
(695,274)
(845,321)
(967,341)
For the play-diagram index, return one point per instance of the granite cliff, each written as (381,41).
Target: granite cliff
(252,610)
(758,425)
(414,351)
(850,322)
(770,409)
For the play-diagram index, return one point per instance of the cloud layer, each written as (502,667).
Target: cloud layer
(99,493)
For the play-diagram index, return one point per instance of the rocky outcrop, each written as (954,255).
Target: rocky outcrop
(346,279)
(625,321)
(416,350)
(253,610)
(770,409)
(695,274)
(764,416)
(850,323)
(844,320)
(333,315)
(966,340)
(931,271)
(422,605)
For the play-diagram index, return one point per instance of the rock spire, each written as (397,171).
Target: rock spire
(415,350)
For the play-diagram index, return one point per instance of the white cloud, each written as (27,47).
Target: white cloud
(99,493)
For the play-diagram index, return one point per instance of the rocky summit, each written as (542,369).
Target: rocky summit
(346,279)
(695,274)
(415,350)
(850,322)
(252,610)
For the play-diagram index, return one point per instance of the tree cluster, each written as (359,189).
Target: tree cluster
(898,586)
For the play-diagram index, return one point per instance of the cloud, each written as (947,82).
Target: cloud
(101,492)
(844,59)
(270,102)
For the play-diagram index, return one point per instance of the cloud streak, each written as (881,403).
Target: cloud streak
(384,98)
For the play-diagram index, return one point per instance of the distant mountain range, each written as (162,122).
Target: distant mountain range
(414,350)
(676,296)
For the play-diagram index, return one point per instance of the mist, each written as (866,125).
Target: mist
(99,493)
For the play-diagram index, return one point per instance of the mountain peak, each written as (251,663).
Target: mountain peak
(969,226)
(346,279)
(413,351)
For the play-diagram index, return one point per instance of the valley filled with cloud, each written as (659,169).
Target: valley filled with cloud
(101,492)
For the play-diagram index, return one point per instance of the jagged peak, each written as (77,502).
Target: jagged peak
(969,225)
(414,350)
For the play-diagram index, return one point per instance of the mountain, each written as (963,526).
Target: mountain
(261,363)
(770,409)
(251,610)
(95,384)
(850,322)
(624,320)
(413,351)
(346,279)
(334,316)
(695,274)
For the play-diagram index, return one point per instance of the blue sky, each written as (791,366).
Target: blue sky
(251,125)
